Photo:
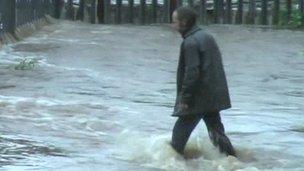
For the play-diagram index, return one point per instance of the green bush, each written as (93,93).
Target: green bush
(295,19)
(26,64)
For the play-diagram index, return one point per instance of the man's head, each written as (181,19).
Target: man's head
(183,19)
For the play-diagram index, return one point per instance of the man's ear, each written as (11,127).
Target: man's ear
(183,23)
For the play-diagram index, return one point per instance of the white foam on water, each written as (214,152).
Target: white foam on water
(7,57)
(19,101)
(11,57)
(156,152)
(102,32)
(40,101)
(65,40)
(91,73)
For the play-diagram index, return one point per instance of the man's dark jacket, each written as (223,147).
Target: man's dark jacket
(201,80)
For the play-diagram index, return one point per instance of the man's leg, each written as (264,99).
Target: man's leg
(217,133)
(182,131)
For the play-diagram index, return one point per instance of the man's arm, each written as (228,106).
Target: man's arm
(191,77)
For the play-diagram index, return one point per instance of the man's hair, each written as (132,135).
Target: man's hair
(187,15)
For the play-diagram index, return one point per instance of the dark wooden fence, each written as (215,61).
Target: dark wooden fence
(14,13)
(265,12)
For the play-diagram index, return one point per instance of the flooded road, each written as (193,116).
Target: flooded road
(100,98)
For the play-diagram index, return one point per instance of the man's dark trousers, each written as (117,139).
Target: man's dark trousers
(186,124)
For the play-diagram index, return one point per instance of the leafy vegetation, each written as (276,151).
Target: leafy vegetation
(294,22)
(26,64)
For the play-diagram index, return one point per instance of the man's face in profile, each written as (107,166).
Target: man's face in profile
(176,24)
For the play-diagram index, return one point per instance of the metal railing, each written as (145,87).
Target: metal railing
(14,13)
(264,12)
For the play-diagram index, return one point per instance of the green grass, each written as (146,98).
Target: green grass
(26,64)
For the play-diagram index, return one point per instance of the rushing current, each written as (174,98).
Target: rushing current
(99,97)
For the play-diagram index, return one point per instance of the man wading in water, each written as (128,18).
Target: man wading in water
(202,90)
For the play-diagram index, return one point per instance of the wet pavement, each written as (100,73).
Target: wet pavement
(99,97)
